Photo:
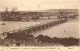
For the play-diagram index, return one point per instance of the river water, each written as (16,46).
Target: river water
(13,25)
(68,29)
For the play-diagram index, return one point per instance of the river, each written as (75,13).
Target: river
(14,25)
(68,29)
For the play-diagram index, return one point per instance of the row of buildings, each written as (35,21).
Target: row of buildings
(27,16)
(17,16)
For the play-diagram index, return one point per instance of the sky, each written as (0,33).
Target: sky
(26,5)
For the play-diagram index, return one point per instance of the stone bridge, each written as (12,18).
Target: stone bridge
(37,27)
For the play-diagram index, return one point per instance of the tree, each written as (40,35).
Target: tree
(29,37)
(47,39)
(40,38)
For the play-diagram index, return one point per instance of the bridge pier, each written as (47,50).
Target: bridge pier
(45,26)
(50,24)
(36,28)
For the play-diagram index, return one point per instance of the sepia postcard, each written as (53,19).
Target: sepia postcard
(39,25)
